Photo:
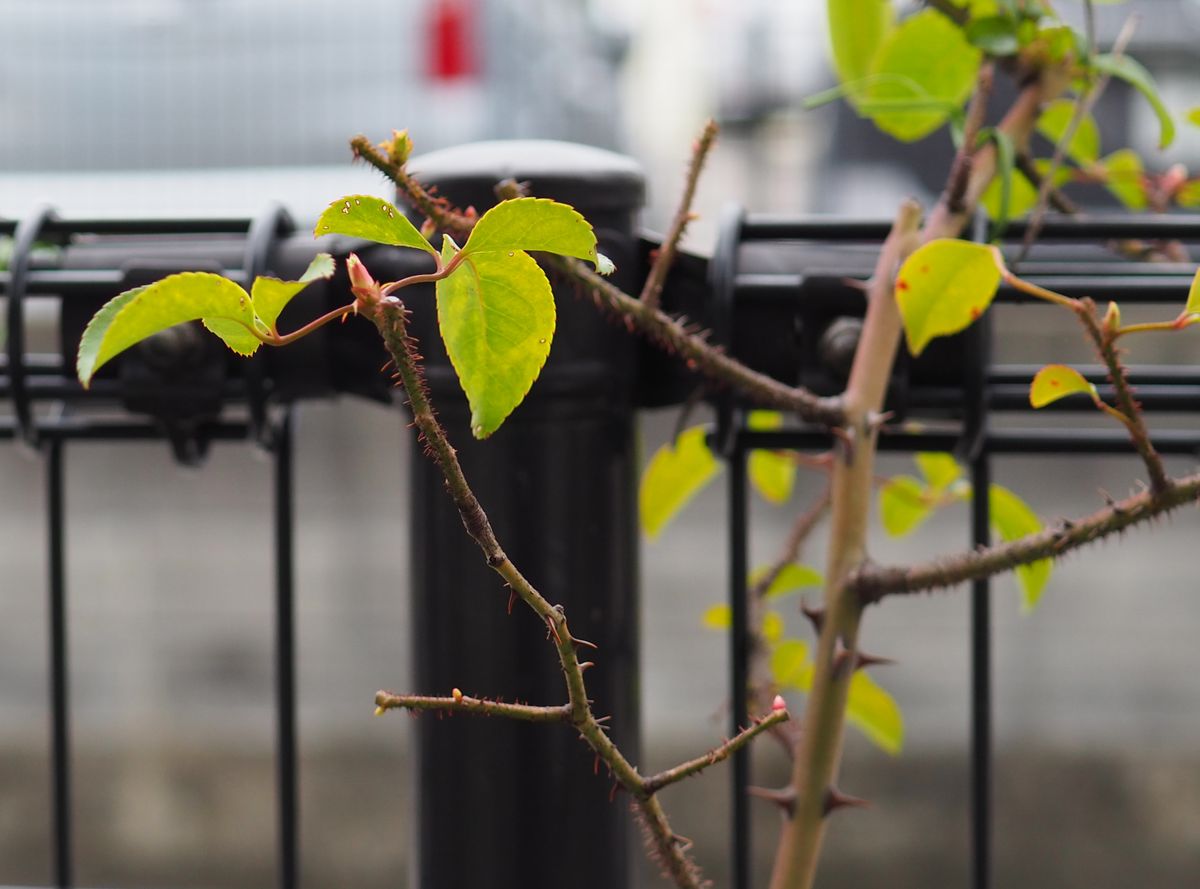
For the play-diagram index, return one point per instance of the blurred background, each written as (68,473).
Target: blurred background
(194,107)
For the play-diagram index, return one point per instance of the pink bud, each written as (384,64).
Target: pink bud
(359,276)
(778,704)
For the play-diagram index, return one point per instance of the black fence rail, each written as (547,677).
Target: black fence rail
(773,291)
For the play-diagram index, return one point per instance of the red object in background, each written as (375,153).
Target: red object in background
(451,48)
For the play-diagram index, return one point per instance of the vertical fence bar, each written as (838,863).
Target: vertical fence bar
(739,655)
(59,680)
(285,655)
(981,685)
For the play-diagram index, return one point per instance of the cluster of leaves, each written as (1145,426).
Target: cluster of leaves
(495,305)
(675,474)
(889,74)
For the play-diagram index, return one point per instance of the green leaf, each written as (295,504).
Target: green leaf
(791,579)
(1125,177)
(940,469)
(1022,193)
(133,316)
(1193,117)
(675,474)
(371,218)
(1193,301)
(717,617)
(1085,144)
(1055,381)
(771,474)
(233,335)
(772,626)
(904,503)
(875,713)
(925,58)
(534,224)
(1132,72)
(943,287)
(271,295)
(1189,194)
(1012,518)
(790,666)
(996,35)
(856,29)
(1003,180)
(496,314)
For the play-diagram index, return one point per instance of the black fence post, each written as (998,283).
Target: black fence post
(502,804)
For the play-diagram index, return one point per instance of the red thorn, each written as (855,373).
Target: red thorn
(596,765)
(592,645)
(512,598)
(612,793)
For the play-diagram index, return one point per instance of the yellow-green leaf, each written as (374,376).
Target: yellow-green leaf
(773,626)
(939,468)
(1193,301)
(925,60)
(1132,72)
(943,287)
(717,617)
(1189,194)
(771,474)
(496,314)
(1084,147)
(875,713)
(271,295)
(856,28)
(371,218)
(790,666)
(1125,177)
(535,224)
(791,579)
(1012,518)
(675,474)
(1055,381)
(133,316)
(904,504)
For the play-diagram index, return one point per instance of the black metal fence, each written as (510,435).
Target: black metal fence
(773,288)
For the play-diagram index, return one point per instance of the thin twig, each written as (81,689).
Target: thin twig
(655,783)
(762,681)
(1083,107)
(1105,342)
(652,289)
(460,703)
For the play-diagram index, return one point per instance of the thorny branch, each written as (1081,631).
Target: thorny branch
(1104,339)
(652,289)
(460,703)
(390,318)
(874,582)
(655,783)
(657,326)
